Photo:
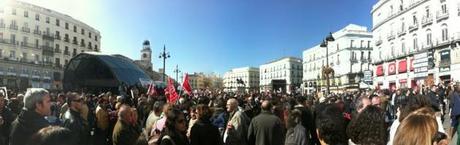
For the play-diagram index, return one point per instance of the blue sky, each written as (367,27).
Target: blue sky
(214,35)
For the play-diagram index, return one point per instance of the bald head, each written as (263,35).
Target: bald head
(266,105)
(232,105)
(124,113)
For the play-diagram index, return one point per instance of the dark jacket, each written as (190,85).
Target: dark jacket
(265,129)
(25,125)
(5,128)
(204,133)
(125,134)
(308,123)
(75,123)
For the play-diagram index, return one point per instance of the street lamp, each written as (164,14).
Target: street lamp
(177,71)
(165,55)
(327,70)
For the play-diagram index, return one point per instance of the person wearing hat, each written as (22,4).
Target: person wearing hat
(74,121)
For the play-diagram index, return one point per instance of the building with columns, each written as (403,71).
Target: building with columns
(36,43)
(284,74)
(349,56)
(242,79)
(415,42)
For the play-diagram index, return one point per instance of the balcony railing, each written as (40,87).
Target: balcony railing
(37,32)
(440,15)
(75,42)
(66,39)
(427,20)
(13,27)
(48,36)
(57,50)
(413,27)
(401,32)
(48,50)
(390,37)
(378,42)
(25,29)
(82,44)
(66,52)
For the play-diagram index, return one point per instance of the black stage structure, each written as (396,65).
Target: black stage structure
(96,72)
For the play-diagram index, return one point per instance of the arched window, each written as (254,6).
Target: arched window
(444,32)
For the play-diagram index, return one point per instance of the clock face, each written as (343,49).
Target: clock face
(144,55)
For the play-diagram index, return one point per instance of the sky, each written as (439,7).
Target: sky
(213,35)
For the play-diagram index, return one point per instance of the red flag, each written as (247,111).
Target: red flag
(172,94)
(151,89)
(186,85)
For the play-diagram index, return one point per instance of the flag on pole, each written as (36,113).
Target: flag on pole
(172,95)
(186,86)
(151,89)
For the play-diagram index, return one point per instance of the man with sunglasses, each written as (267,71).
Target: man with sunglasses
(74,121)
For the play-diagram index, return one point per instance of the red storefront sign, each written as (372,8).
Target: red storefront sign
(379,71)
(403,81)
(412,64)
(402,67)
(391,69)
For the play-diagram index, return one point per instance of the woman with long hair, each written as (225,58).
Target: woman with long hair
(420,128)
(203,132)
(174,132)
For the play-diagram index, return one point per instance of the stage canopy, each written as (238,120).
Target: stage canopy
(100,72)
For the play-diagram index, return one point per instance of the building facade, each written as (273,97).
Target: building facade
(283,75)
(36,43)
(146,57)
(242,79)
(416,42)
(348,55)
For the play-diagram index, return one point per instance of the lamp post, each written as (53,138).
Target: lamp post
(165,55)
(327,70)
(177,71)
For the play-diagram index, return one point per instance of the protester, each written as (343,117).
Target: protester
(174,132)
(37,105)
(203,132)
(53,135)
(368,128)
(74,121)
(296,134)
(330,125)
(237,125)
(265,128)
(125,131)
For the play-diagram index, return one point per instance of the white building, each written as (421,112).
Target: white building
(348,55)
(284,74)
(416,42)
(248,76)
(146,57)
(36,43)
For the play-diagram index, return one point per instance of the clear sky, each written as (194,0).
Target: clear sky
(213,35)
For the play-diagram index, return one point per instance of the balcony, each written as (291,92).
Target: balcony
(427,20)
(48,50)
(25,29)
(82,44)
(58,37)
(378,42)
(48,36)
(390,37)
(413,27)
(13,27)
(75,42)
(401,33)
(440,15)
(57,50)
(66,52)
(37,32)
(66,39)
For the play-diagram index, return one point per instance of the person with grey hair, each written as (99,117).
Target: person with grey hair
(37,105)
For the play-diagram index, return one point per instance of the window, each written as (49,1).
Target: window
(47,20)
(36,43)
(414,19)
(24,56)
(57,46)
(13,39)
(1,51)
(415,42)
(369,55)
(445,35)
(368,44)
(57,22)
(67,26)
(428,38)
(75,29)
(24,40)
(403,46)
(338,59)
(361,45)
(351,43)
(13,11)
(37,17)
(82,31)
(95,38)
(26,14)
(89,34)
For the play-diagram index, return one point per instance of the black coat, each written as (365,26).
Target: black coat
(25,125)
(79,127)
(308,123)
(204,133)
(265,129)
(5,128)
(125,134)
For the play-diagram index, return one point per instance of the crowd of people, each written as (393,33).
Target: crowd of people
(371,117)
